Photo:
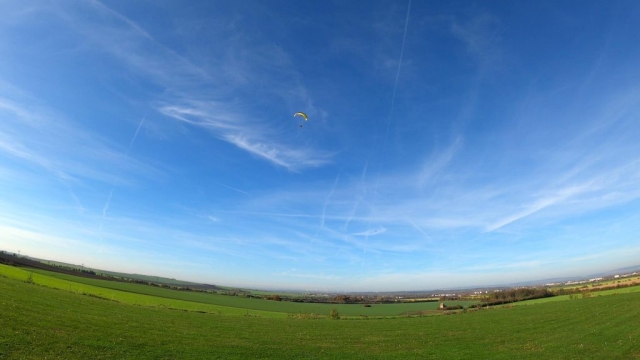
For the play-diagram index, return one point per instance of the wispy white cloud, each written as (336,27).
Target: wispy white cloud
(480,34)
(122,18)
(456,202)
(69,152)
(560,196)
(436,163)
(204,114)
(288,157)
(247,133)
(455,165)
(241,55)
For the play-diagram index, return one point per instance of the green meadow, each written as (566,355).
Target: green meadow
(42,322)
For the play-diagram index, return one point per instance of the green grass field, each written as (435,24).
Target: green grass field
(74,284)
(38,322)
(196,301)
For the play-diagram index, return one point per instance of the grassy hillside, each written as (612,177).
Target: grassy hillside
(37,322)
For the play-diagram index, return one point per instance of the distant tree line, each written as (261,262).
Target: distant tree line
(514,295)
(365,300)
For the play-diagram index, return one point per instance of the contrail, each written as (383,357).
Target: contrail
(260,213)
(359,199)
(294,215)
(395,85)
(390,117)
(324,206)
(419,229)
(136,134)
(105,208)
(73,195)
(232,188)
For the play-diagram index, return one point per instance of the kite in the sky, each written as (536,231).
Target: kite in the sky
(302,115)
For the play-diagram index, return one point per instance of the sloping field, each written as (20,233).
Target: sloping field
(37,322)
(113,290)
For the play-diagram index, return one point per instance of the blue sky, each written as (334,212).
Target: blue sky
(448,144)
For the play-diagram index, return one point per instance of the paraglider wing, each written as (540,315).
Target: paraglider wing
(302,115)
